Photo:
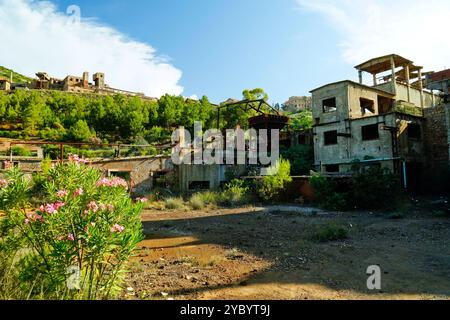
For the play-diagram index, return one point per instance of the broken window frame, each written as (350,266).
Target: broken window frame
(367,106)
(199,185)
(331,107)
(366,135)
(414,131)
(332,168)
(330,135)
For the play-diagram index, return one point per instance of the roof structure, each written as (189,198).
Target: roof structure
(356,84)
(382,64)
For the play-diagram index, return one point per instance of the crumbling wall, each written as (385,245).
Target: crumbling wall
(437,144)
(140,169)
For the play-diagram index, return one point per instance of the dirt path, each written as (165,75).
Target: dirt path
(251,254)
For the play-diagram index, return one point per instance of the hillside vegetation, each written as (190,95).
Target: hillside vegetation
(62,116)
(17,77)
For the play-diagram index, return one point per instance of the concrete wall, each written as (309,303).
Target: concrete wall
(353,148)
(25,164)
(140,169)
(338,91)
(215,175)
(402,94)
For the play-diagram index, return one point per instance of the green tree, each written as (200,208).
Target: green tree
(80,131)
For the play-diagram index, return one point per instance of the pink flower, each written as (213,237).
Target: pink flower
(112,183)
(110,207)
(117,228)
(143,200)
(76,159)
(3,183)
(33,217)
(59,205)
(93,206)
(50,209)
(70,237)
(79,192)
(102,207)
(62,194)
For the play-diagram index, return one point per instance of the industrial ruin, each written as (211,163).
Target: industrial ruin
(388,123)
(400,121)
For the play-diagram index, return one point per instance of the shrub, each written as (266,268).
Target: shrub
(326,196)
(210,198)
(331,232)
(235,193)
(85,225)
(270,187)
(174,204)
(196,202)
(301,158)
(375,188)
(21,152)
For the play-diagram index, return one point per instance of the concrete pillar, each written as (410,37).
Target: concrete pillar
(360,76)
(394,89)
(408,82)
(421,89)
(375,79)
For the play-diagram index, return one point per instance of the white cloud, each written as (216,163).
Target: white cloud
(36,37)
(416,29)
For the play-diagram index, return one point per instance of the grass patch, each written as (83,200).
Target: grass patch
(331,232)
(174,204)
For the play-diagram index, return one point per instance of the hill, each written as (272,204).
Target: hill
(17,77)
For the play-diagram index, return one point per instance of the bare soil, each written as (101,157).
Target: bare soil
(252,254)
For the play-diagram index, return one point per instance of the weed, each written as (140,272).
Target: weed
(331,232)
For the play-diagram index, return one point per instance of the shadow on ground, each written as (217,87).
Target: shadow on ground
(241,254)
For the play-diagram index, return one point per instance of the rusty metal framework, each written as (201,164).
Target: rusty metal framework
(247,105)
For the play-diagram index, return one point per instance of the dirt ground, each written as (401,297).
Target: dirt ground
(250,253)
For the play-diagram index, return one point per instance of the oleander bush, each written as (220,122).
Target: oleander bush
(75,243)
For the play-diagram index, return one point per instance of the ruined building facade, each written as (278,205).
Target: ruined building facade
(77,84)
(381,124)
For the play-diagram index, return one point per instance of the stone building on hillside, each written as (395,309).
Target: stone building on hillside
(296,104)
(5,84)
(79,84)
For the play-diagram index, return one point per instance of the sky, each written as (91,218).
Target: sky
(218,48)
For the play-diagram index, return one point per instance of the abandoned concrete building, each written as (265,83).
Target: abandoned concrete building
(379,124)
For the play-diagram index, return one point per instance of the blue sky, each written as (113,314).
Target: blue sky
(225,46)
(219,48)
